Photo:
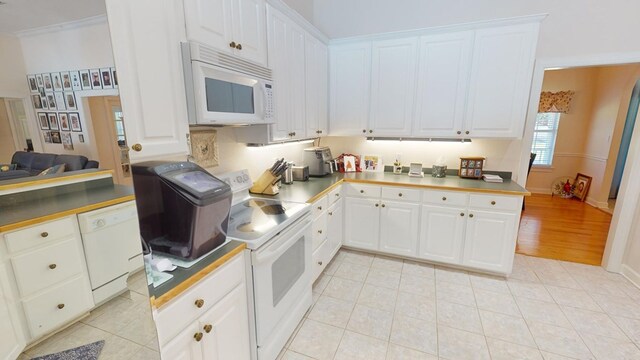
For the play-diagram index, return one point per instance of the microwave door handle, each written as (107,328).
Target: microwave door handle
(275,250)
(261,100)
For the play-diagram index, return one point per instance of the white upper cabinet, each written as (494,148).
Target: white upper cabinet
(233,26)
(297,82)
(146,36)
(461,83)
(443,76)
(393,81)
(317,91)
(500,81)
(350,84)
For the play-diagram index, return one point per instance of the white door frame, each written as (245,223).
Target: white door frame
(629,196)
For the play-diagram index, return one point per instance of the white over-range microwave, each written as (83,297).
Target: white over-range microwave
(222,89)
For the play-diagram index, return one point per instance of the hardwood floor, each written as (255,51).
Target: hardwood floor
(562,229)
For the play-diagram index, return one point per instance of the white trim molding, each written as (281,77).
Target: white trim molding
(545,191)
(93,20)
(631,275)
(582,156)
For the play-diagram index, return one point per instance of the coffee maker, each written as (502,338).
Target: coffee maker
(317,159)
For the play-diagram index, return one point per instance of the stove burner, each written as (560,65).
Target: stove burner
(273,209)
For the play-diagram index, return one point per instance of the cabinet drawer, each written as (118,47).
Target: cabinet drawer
(335,195)
(400,194)
(39,269)
(320,259)
(179,312)
(364,191)
(319,207)
(58,306)
(39,234)
(439,197)
(496,202)
(319,230)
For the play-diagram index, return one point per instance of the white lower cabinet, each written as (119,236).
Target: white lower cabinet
(335,222)
(362,219)
(399,226)
(442,234)
(490,241)
(210,321)
(327,230)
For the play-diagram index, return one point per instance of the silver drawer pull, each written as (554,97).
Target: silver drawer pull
(361,191)
(444,198)
(493,203)
(60,306)
(44,234)
(400,194)
(53,266)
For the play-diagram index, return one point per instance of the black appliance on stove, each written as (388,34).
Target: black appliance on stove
(183,210)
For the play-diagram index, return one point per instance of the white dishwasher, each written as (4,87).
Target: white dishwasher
(112,248)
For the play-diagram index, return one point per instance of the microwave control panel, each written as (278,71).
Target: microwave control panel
(268,102)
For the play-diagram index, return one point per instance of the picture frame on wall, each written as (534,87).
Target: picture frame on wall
(51,102)
(76,85)
(81,138)
(67,141)
(53,121)
(43,121)
(41,92)
(33,85)
(47,136)
(39,81)
(94,76)
(64,122)
(105,77)
(74,119)
(114,76)
(70,100)
(44,102)
(37,101)
(60,103)
(56,80)
(85,79)
(48,85)
(66,81)
(55,137)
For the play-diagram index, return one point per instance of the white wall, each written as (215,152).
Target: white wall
(13,75)
(631,261)
(85,44)
(573,27)
(500,155)
(302,7)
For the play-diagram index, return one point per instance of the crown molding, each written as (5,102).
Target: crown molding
(299,19)
(93,20)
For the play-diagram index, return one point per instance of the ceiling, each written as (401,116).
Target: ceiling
(19,15)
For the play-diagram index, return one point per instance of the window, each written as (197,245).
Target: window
(544,137)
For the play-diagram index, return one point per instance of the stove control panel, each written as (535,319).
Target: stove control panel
(238,180)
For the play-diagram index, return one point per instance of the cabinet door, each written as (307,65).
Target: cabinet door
(296,98)
(442,234)
(392,87)
(500,81)
(184,346)
(145,36)
(490,241)
(228,325)
(277,34)
(335,216)
(11,343)
(316,92)
(443,76)
(362,219)
(350,74)
(249,29)
(209,22)
(399,226)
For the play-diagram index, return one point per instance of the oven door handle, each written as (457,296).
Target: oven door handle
(278,248)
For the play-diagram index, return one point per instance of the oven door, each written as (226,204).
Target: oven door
(227,97)
(281,274)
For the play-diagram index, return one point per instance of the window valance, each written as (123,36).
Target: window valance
(555,102)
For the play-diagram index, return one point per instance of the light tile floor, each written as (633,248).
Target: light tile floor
(369,307)
(125,323)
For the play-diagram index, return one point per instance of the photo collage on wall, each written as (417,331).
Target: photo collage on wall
(54,99)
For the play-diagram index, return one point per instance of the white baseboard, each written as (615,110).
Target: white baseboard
(599,204)
(545,191)
(631,275)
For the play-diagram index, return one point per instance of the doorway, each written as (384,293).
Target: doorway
(15,131)
(111,137)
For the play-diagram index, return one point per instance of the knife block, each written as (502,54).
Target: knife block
(266,184)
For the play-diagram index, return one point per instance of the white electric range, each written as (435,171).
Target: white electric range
(278,233)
